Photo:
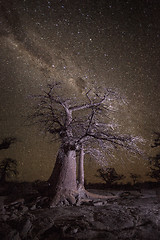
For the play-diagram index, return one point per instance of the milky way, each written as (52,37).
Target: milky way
(82,44)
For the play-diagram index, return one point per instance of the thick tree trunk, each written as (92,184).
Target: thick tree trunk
(81,168)
(63,185)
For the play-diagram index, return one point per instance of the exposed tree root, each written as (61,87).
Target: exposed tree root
(76,198)
(98,196)
(64,198)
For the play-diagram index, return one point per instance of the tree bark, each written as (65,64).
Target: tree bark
(81,168)
(63,185)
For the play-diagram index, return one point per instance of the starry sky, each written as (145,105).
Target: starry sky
(112,43)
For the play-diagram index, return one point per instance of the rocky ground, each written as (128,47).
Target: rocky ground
(134,215)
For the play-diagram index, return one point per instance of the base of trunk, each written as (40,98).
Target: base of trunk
(64,197)
(76,198)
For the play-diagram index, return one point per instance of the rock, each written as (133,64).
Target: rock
(17,202)
(2,200)
(5,217)
(98,203)
(74,231)
(23,209)
(125,194)
(8,233)
(13,216)
(33,207)
(2,210)
(25,229)
(86,202)
(13,235)
(52,233)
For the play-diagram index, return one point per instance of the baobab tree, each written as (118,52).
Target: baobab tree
(8,167)
(82,124)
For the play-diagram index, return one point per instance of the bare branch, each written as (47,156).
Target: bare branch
(85,106)
(93,125)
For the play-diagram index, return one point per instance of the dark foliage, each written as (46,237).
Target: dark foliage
(155,161)
(157,140)
(8,167)
(134,177)
(109,175)
(155,168)
(6,142)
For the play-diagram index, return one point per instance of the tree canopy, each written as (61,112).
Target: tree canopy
(87,120)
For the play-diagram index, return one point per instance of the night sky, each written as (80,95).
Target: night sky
(112,43)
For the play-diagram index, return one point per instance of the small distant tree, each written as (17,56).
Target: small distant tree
(134,177)
(155,168)
(155,161)
(157,140)
(6,142)
(8,168)
(109,175)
